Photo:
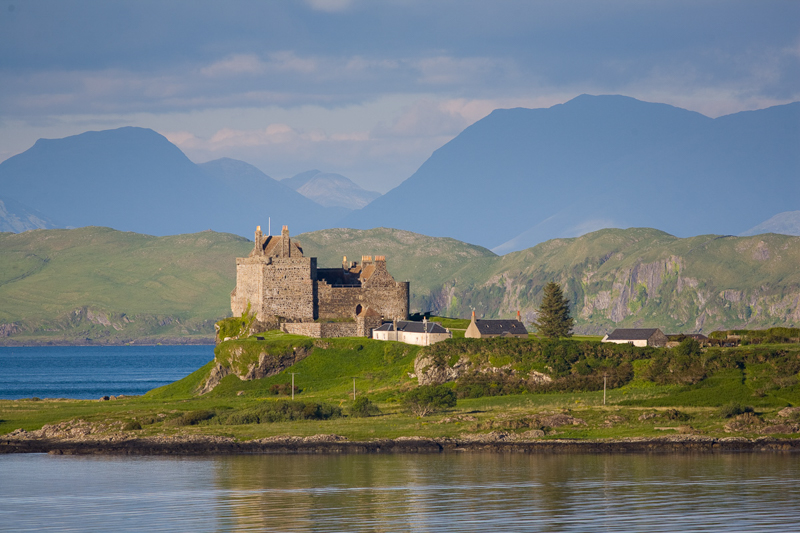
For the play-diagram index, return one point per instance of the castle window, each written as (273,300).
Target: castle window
(358,309)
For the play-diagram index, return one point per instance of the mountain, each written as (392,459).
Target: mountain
(330,190)
(639,277)
(787,223)
(96,284)
(261,198)
(134,179)
(522,176)
(16,218)
(101,285)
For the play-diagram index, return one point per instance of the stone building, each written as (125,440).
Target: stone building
(484,329)
(420,333)
(284,287)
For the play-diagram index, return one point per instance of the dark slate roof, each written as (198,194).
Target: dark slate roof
(631,334)
(499,327)
(413,327)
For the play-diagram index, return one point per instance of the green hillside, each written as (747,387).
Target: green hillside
(506,389)
(104,285)
(642,277)
(428,262)
(100,285)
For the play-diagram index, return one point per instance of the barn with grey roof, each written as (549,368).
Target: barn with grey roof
(637,337)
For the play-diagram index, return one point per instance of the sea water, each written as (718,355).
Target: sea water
(432,493)
(91,372)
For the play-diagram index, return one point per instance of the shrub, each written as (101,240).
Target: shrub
(132,425)
(426,399)
(674,414)
(681,365)
(284,389)
(734,409)
(189,419)
(282,411)
(363,407)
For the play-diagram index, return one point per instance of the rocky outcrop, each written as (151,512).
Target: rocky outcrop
(238,359)
(428,371)
(6,330)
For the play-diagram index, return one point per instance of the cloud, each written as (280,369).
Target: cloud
(329,6)
(448,70)
(235,65)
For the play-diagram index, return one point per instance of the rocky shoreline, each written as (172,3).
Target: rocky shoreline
(335,444)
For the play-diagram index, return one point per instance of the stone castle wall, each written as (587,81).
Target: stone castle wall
(289,288)
(321,330)
(362,327)
(389,301)
(276,280)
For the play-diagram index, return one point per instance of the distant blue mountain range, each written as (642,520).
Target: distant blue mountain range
(134,179)
(522,176)
(511,180)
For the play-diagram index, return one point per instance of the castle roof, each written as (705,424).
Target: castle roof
(273,243)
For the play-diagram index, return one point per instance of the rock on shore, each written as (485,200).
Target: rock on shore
(21,441)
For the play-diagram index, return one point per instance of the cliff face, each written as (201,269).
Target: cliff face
(249,360)
(633,278)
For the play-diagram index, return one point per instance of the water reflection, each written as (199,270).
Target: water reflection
(452,492)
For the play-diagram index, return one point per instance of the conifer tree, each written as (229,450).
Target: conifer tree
(554,320)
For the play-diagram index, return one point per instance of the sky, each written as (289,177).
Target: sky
(369,88)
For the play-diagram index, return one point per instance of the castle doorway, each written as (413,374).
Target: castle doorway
(358,309)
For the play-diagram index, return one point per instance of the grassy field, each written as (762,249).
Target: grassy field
(383,372)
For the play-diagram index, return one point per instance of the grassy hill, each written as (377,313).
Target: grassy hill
(428,262)
(100,285)
(651,392)
(641,277)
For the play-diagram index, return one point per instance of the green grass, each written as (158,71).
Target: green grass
(381,371)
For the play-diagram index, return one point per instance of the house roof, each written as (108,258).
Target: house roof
(413,327)
(500,327)
(631,334)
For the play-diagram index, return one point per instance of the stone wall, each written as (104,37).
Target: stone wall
(288,288)
(389,301)
(249,276)
(322,330)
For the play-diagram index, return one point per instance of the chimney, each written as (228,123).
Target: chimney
(518,316)
(344,262)
(258,238)
(286,243)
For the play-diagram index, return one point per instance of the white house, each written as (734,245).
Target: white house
(637,337)
(420,333)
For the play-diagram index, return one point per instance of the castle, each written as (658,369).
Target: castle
(285,288)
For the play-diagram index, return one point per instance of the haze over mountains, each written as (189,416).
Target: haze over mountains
(134,179)
(330,190)
(522,176)
(511,180)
